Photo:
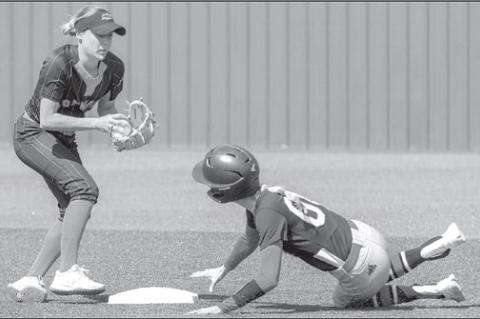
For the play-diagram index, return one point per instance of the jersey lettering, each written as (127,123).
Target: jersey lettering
(305,209)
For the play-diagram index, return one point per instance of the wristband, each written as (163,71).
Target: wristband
(228,305)
(249,292)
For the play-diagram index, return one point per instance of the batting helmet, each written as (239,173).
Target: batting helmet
(231,172)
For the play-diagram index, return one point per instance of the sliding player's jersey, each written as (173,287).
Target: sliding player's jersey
(307,229)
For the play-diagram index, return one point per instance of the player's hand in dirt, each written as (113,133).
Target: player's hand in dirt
(214,274)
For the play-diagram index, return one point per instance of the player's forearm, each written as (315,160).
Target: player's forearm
(60,122)
(266,280)
(243,248)
(247,294)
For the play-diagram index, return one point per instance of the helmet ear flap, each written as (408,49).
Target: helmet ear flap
(216,195)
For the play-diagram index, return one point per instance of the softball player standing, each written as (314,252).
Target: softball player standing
(72,79)
(279,220)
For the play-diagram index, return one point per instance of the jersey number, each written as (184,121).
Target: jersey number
(305,209)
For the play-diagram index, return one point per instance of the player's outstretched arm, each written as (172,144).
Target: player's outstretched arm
(214,274)
(265,281)
(244,247)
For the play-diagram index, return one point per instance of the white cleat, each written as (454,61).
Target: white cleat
(450,289)
(451,238)
(27,289)
(75,282)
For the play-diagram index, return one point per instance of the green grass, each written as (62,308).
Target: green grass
(153,226)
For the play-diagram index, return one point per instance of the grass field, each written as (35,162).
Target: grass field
(153,226)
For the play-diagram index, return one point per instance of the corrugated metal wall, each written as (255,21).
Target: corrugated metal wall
(342,75)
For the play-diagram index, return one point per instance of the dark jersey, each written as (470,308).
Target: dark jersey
(305,227)
(62,79)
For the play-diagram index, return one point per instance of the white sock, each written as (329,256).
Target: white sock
(432,249)
(427,290)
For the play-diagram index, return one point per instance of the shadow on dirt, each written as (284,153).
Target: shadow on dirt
(296,308)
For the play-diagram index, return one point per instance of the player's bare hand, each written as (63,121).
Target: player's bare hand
(215,310)
(214,274)
(107,122)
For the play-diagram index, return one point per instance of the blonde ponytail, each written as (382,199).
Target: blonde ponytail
(68,28)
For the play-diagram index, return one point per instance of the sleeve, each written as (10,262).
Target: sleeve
(271,227)
(53,75)
(271,260)
(245,245)
(117,80)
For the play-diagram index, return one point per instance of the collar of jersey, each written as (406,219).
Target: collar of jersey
(81,70)
(87,76)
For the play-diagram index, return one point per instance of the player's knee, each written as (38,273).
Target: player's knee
(86,190)
(94,191)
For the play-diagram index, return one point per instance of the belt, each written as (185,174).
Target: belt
(355,250)
(343,267)
(346,267)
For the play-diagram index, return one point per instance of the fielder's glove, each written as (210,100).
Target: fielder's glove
(142,127)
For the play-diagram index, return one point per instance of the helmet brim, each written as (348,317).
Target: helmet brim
(197,174)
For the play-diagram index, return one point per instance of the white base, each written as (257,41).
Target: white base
(153,295)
